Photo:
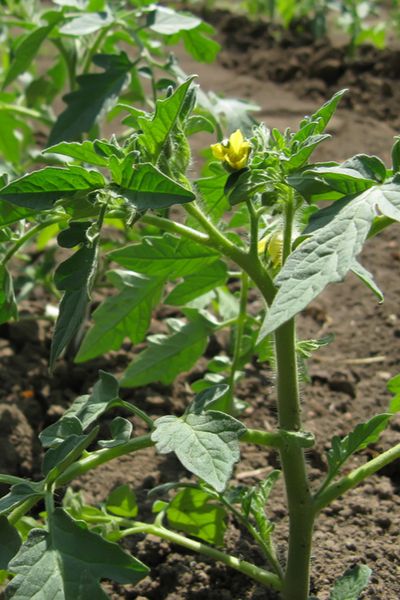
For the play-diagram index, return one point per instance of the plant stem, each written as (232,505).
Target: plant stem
(260,575)
(240,323)
(301,515)
(334,490)
(178,228)
(262,438)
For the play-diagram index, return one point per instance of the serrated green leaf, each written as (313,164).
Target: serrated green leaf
(167,256)
(97,93)
(157,130)
(82,151)
(147,187)
(10,542)
(25,52)
(196,285)
(8,305)
(351,584)
(121,430)
(122,502)
(199,45)
(362,436)
(68,562)
(207,445)
(127,314)
(40,189)
(86,409)
(328,254)
(190,511)
(168,356)
(319,119)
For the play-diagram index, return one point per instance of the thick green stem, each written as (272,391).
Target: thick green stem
(301,516)
(334,490)
(260,575)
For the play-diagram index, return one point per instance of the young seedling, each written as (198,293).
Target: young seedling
(254,219)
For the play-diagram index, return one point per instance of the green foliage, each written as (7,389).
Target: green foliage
(351,584)
(193,511)
(68,562)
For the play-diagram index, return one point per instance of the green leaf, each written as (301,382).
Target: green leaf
(10,542)
(128,314)
(87,23)
(8,305)
(75,276)
(255,500)
(157,130)
(393,387)
(97,94)
(9,213)
(82,151)
(207,399)
(207,445)
(122,502)
(121,430)
(166,21)
(351,584)
(328,254)
(19,493)
(25,52)
(319,119)
(74,234)
(362,436)
(199,45)
(299,158)
(40,189)
(212,191)
(366,277)
(191,511)
(68,562)
(57,459)
(396,154)
(196,285)
(167,256)
(84,411)
(370,167)
(168,356)
(342,179)
(147,187)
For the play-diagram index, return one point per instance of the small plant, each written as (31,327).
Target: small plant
(253,219)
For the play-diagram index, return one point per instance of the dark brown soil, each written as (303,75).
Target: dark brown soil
(347,379)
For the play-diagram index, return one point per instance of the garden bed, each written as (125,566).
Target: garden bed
(347,379)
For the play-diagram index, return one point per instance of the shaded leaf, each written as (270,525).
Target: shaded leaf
(8,305)
(191,511)
(122,502)
(10,542)
(351,584)
(196,285)
(121,430)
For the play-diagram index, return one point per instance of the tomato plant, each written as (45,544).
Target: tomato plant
(254,218)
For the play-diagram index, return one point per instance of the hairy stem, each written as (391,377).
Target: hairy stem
(260,575)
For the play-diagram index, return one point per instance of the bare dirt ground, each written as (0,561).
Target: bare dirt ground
(347,379)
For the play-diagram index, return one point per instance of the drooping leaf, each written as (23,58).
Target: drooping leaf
(191,511)
(75,277)
(147,187)
(366,277)
(10,542)
(328,254)
(206,444)
(68,563)
(58,458)
(122,502)
(362,436)
(127,314)
(167,256)
(97,93)
(40,189)
(8,305)
(25,52)
(196,285)
(167,356)
(351,584)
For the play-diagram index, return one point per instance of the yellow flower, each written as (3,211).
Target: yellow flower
(234,151)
